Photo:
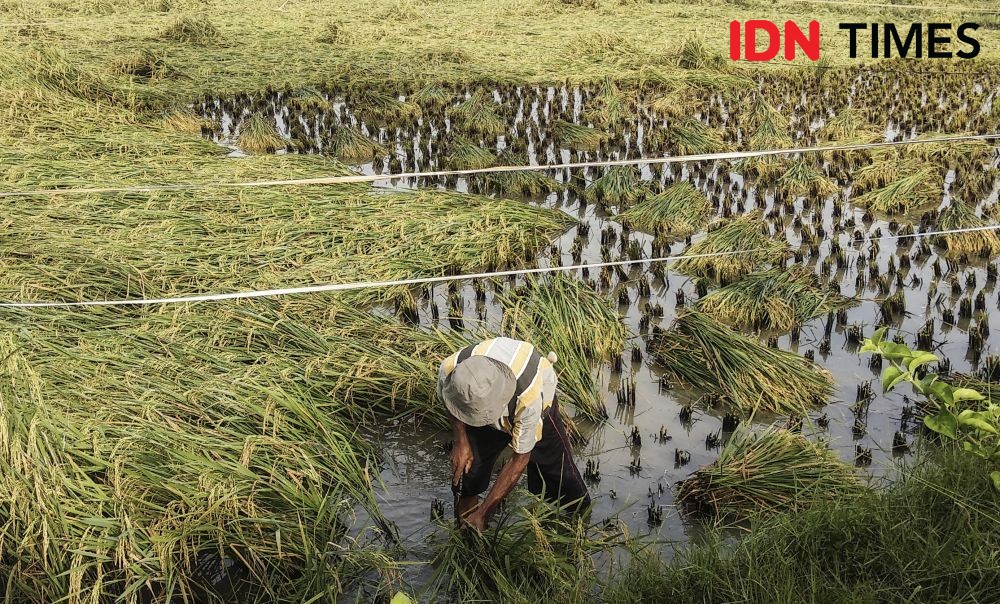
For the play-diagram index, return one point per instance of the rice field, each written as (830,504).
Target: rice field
(290,448)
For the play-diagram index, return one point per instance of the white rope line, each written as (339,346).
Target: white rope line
(339,287)
(360,178)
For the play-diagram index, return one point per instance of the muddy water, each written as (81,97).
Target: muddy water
(416,468)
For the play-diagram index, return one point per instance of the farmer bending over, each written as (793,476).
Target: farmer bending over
(502,392)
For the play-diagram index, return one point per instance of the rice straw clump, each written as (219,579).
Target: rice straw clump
(776,299)
(258,135)
(706,354)
(620,186)
(974,244)
(748,235)
(679,211)
(769,472)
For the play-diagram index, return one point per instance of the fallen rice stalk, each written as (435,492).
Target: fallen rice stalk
(706,354)
(975,244)
(778,299)
(769,472)
(748,233)
(679,211)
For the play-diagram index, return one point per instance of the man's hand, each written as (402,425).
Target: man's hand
(461,460)
(476,520)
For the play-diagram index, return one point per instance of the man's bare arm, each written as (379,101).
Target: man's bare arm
(461,452)
(505,483)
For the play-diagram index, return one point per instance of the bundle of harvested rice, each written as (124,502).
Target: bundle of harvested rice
(258,135)
(679,211)
(768,472)
(748,235)
(779,299)
(577,136)
(911,193)
(708,355)
(974,244)
(619,186)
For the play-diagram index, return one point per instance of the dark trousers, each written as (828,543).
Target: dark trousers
(552,472)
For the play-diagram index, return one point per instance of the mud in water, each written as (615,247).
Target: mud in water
(416,466)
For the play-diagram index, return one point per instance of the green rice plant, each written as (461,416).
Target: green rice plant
(579,324)
(609,106)
(803,178)
(775,299)
(477,115)
(191,30)
(704,353)
(692,136)
(974,244)
(377,106)
(745,240)
(577,136)
(492,566)
(350,145)
(681,210)
(619,185)
(463,154)
(910,193)
(773,471)
(258,135)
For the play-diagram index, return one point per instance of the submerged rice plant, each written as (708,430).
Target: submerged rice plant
(779,299)
(974,244)
(706,354)
(578,136)
(258,135)
(747,242)
(770,130)
(773,471)
(910,193)
(619,185)
(519,182)
(560,313)
(679,211)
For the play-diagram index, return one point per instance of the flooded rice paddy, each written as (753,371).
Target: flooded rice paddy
(642,450)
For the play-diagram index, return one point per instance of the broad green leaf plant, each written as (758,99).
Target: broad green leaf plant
(961,413)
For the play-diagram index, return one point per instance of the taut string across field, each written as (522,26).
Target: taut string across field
(336,287)
(361,178)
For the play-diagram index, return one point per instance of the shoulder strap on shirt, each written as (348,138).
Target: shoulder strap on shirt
(525,379)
